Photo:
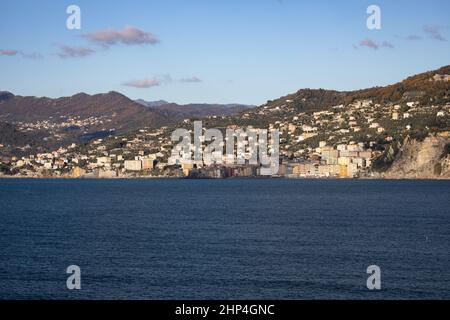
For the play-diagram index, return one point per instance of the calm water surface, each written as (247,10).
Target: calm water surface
(224,239)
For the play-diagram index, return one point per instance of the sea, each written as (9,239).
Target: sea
(224,239)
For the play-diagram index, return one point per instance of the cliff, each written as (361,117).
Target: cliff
(421,159)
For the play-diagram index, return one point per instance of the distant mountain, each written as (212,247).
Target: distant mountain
(194,110)
(114,110)
(80,117)
(152,103)
(84,117)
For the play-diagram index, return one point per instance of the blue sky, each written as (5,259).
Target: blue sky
(216,51)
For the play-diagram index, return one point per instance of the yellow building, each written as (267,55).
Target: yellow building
(343,171)
(186,167)
(147,164)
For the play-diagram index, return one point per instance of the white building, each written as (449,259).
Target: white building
(133,165)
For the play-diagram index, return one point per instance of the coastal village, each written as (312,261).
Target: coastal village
(339,142)
(344,161)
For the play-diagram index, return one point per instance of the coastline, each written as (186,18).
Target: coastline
(2,177)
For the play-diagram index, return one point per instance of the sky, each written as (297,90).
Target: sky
(216,51)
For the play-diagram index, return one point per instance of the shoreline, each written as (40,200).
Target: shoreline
(229,178)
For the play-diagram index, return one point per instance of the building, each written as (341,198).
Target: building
(147,164)
(187,167)
(343,172)
(441,77)
(329,170)
(352,170)
(133,165)
(330,155)
(103,160)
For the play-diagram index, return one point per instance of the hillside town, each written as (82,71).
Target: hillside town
(358,137)
(344,161)
(339,142)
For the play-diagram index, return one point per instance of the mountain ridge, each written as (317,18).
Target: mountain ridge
(195,110)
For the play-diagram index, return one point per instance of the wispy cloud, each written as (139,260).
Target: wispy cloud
(369,43)
(33,55)
(143,83)
(8,52)
(411,37)
(148,82)
(13,52)
(74,52)
(434,32)
(127,36)
(193,79)
(387,44)
(158,81)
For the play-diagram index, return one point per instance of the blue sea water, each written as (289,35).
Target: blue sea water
(224,239)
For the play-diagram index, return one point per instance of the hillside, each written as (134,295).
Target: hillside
(49,123)
(194,110)
(420,87)
(83,117)
(396,131)
(380,118)
(16,142)
(112,110)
